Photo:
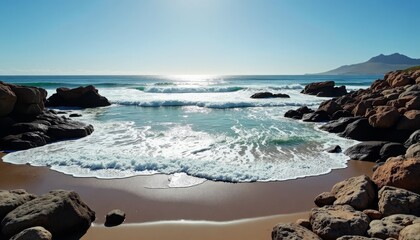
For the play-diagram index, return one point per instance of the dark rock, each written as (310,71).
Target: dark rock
(332,222)
(341,114)
(365,151)
(84,97)
(329,106)
(325,198)
(373,214)
(409,121)
(337,126)
(7,100)
(30,100)
(394,200)
(6,123)
(298,113)
(269,95)
(400,173)
(60,212)
(304,223)
(317,116)
(24,141)
(324,89)
(334,149)
(414,138)
(28,127)
(352,237)
(391,150)
(390,227)
(33,233)
(75,115)
(69,130)
(413,151)
(9,200)
(114,218)
(360,130)
(358,192)
(288,231)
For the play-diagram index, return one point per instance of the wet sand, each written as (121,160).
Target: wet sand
(146,201)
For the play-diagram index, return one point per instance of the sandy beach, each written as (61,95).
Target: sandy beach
(216,210)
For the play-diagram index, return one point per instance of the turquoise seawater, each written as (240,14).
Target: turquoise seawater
(204,127)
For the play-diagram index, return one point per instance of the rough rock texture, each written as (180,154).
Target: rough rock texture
(349,237)
(269,95)
(304,223)
(114,218)
(330,107)
(409,121)
(334,149)
(391,150)
(390,226)
(325,198)
(400,173)
(384,117)
(413,151)
(360,130)
(287,231)
(84,97)
(317,116)
(34,233)
(358,192)
(413,139)
(411,232)
(365,151)
(10,200)
(373,214)
(7,100)
(394,200)
(324,89)
(60,212)
(338,126)
(332,222)
(298,113)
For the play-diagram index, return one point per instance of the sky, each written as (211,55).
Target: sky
(138,37)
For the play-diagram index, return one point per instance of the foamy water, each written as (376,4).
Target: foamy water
(194,130)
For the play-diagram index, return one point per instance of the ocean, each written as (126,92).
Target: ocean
(193,128)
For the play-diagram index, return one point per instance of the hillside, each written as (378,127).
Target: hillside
(378,65)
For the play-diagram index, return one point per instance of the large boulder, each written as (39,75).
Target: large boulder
(391,149)
(337,126)
(24,141)
(394,200)
(298,113)
(324,89)
(317,116)
(413,151)
(332,222)
(365,151)
(409,121)
(61,212)
(390,227)
(384,117)
(289,231)
(400,173)
(33,233)
(30,100)
(7,100)
(330,106)
(269,95)
(84,97)
(9,200)
(325,198)
(358,192)
(360,130)
(411,232)
(69,130)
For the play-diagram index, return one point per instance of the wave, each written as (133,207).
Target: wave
(189,89)
(215,105)
(71,85)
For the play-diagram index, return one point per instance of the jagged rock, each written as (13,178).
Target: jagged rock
(414,138)
(332,222)
(84,97)
(289,231)
(358,192)
(269,95)
(394,200)
(390,226)
(413,104)
(114,218)
(7,100)
(413,151)
(373,214)
(325,198)
(391,150)
(411,232)
(33,233)
(12,199)
(400,173)
(60,212)
(384,117)
(337,126)
(365,151)
(317,116)
(409,121)
(334,149)
(360,130)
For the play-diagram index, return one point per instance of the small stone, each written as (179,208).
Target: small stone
(114,217)
(373,214)
(287,231)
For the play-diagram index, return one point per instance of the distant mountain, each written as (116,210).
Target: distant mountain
(378,65)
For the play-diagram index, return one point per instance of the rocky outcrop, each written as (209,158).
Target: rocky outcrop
(114,218)
(324,89)
(365,151)
(390,227)
(325,198)
(61,212)
(9,200)
(400,173)
(332,222)
(394,200)
(7,100)
(298,113)
(33,233)
(317,116)
(84,97)
(284,231)
(21,100)
(358,192)
(269,95)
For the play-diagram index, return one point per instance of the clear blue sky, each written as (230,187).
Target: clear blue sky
(201,36)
